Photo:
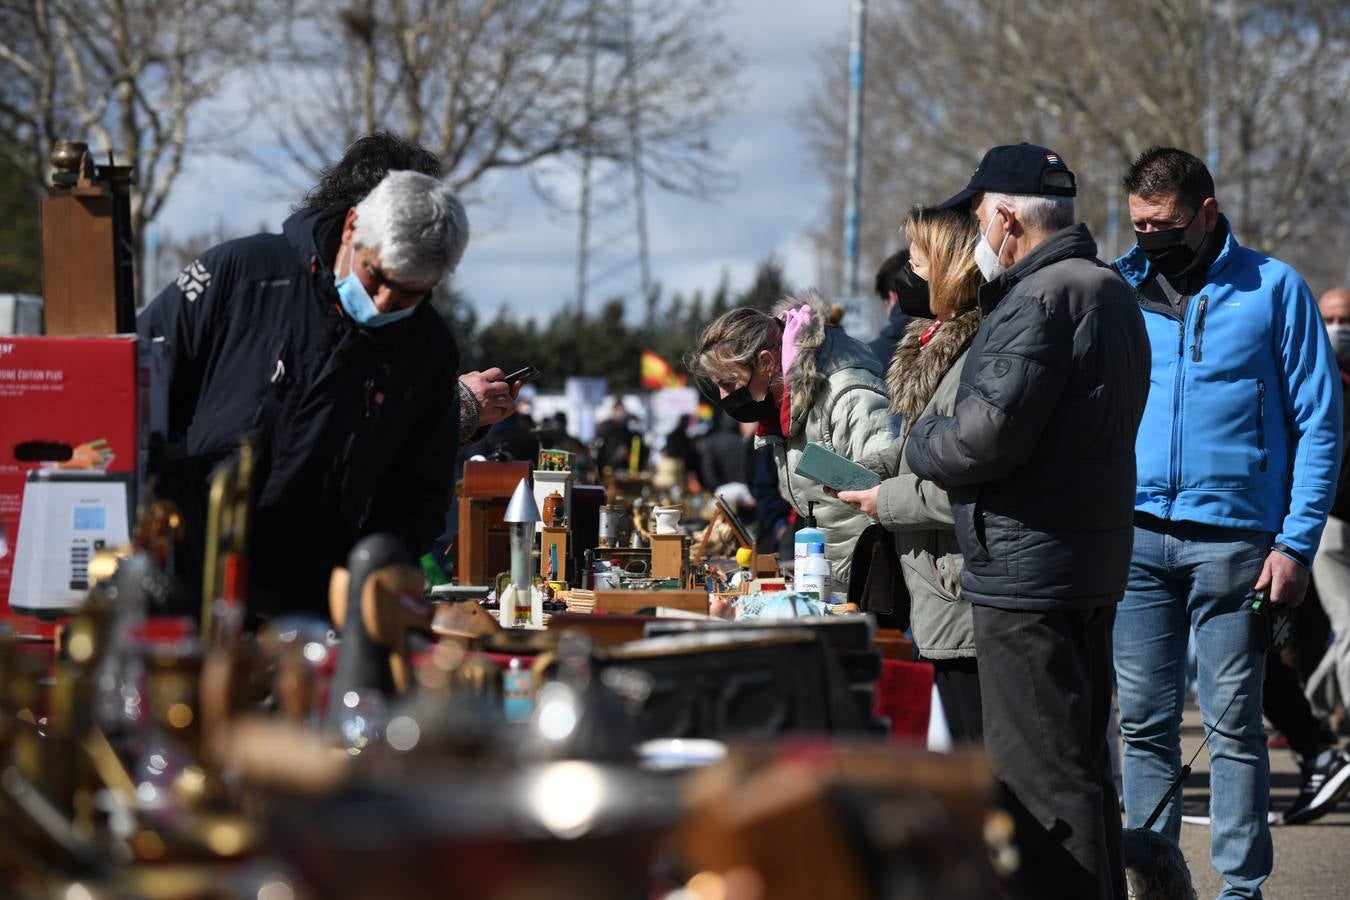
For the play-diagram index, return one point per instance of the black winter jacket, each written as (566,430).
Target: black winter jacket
(883,345)
(356,426)
(1038,458)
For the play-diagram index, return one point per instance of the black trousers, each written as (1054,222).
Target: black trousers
(958,686)
(1045,684)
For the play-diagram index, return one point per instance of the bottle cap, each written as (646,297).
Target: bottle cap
(816,547)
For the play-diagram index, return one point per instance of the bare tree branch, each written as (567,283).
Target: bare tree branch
(1100,82)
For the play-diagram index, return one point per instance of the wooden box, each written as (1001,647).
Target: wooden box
(483,546)
(631,601)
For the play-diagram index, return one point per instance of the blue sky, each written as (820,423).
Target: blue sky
(523,255)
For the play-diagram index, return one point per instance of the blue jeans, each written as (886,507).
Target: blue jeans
(1185,576)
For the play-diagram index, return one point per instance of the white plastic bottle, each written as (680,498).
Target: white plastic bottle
(806,536)
(812,575)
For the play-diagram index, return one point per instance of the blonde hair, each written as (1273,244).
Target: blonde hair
(734,339)
(948,238)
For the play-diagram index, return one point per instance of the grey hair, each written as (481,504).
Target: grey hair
(1039,212)
(416,223)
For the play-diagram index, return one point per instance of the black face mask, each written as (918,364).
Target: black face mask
(913,302)
(744,408)
(911,292)
(1168,250)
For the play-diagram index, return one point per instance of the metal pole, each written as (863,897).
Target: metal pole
(584,226)
(853,173)
(635,152)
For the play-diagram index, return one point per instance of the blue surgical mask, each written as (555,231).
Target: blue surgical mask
(356,301)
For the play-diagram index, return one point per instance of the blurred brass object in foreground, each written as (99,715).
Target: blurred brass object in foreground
(225,574)
(392,607)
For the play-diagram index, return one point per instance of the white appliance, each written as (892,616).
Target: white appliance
(66,517)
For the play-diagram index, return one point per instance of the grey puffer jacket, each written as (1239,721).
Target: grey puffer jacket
(1038,454)
(837,399)
(923,381)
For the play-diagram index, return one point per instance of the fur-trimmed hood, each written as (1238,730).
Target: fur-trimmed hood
(821,351)
(915,371)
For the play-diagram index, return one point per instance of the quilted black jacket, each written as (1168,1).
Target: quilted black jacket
(1038,457)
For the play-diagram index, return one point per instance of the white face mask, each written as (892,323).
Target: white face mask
(990,263)
(1340,342)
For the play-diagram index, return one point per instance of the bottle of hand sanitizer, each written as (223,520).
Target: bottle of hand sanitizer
(812,575)
(806,536)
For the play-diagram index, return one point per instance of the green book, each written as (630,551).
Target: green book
(833,470)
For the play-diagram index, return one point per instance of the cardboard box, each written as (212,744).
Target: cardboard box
(69,404)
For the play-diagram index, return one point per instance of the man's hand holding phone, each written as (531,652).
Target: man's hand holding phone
(496,391)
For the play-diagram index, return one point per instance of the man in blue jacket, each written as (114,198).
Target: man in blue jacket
(317,343)
(1237,456)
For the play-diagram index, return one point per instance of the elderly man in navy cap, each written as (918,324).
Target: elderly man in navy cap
(1038,459)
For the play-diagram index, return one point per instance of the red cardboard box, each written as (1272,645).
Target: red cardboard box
(79,403)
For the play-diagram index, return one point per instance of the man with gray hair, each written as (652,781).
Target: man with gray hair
(318,344)
(1038,460)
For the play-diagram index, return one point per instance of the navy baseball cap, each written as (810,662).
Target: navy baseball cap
(1016,169)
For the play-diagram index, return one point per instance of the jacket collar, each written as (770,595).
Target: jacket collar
(896,324)
(315,234)
(1074,242)
(915,371)
(1135,268)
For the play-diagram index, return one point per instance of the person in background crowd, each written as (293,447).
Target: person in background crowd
(774,518)
(614,439)
(1238,455)
(1038,460)
(317,343)
(1328,688)
(905,295)
(726,456)
(681,444)
(801,382)
(485,398)
(1306,736)
(511,439)
(922,380)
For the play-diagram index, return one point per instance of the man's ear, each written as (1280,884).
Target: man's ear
(1209,211)
(349,226)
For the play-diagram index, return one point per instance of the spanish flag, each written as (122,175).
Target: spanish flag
(657,372)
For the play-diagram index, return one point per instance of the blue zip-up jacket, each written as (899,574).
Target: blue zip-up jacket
(1243,423)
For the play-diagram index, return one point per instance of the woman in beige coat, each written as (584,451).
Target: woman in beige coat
(923,378)
(801,380)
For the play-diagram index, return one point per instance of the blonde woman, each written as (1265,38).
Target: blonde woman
(800,381)
(923,379)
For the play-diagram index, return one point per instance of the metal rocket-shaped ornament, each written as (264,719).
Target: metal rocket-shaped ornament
(516,602)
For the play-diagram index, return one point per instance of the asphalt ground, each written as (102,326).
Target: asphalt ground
(1312,862)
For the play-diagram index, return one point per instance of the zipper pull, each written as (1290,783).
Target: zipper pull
(1197,352)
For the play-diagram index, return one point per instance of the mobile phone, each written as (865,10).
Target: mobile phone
(529,373)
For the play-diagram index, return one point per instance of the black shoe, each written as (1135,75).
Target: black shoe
(1325,781)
